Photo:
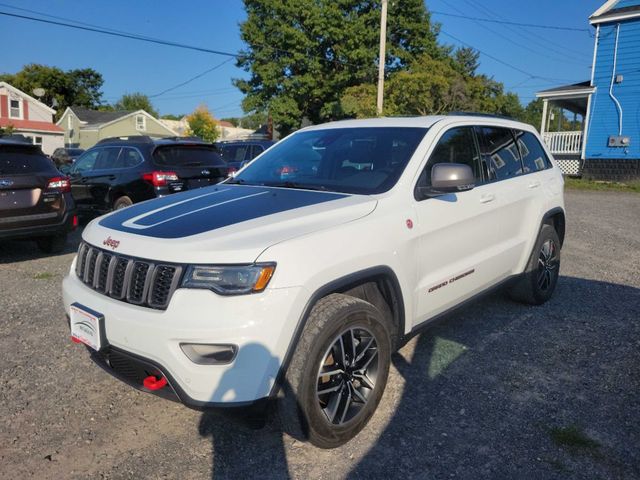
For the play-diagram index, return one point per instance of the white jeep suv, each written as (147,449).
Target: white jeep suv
(297,279)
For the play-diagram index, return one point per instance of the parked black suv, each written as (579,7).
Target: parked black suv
(35,198)
(118,172)
(240,152)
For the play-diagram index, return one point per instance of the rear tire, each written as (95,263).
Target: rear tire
(347,335)
(52,244)
(122,202)
(537,283)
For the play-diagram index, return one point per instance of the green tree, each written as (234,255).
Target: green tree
(303,55)
(136,101)
(80,87)
(8,130)
(202,124)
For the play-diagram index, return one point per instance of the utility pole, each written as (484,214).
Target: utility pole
(383,50)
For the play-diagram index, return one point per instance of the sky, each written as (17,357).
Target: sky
(524,59)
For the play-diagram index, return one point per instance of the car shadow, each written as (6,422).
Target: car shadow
(246,443)
(481,395)
(15,251)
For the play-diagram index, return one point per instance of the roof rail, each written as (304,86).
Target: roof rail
(125,138)
(482,114)
(183,139)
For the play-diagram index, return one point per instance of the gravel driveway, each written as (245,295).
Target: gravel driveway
(499,391)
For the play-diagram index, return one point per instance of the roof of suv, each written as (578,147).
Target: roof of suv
(416,122)
(151,141)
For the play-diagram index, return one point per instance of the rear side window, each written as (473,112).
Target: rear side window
(16,160)
(455,146)
(234,153)
(500,153)
(533,155)
(129,157)
(187,156)
(107,158)
(255,151)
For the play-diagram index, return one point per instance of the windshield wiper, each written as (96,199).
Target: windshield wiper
(296,186)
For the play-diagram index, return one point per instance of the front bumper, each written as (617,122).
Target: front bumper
(261,325)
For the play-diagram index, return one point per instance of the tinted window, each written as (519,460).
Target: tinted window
(187,156)
(107,158)
(14,161)
(255,151)
(130,157)
(500,153)
(533,155)
(351,160)
(86,162)
(455,146)
(234,153)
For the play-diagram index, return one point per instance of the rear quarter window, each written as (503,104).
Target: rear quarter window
(16,161)
(533,155)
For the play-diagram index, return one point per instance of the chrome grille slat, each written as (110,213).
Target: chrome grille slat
(132,280)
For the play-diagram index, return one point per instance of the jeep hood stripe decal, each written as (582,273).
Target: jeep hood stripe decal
(206,209)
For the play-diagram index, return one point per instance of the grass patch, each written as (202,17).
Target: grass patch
(573,437)
(44,276)
(444,353)
(599,185)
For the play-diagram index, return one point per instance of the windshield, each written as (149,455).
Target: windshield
(351,160)
(187,156)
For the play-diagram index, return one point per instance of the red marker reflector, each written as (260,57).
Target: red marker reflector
(75,339)
(75,221)
(153,383)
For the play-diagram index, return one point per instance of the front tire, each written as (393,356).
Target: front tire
(538,282)
(338,372)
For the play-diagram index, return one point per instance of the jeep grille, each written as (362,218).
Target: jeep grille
(132,280)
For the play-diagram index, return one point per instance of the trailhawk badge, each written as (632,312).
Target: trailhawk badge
(110,242)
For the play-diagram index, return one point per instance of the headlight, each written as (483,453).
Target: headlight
(229,280)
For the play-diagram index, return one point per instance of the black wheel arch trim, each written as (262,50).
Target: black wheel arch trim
(381,272)
(560,228)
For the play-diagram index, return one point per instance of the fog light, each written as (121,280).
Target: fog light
(208,354)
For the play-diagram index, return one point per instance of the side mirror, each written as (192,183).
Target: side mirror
(448,178)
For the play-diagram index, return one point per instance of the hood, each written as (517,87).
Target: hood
(222,224)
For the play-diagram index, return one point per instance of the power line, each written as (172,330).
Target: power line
(529,36)
(191,79)
(517,24)
(118,33)
(122,34)
(545,54)
(502,62)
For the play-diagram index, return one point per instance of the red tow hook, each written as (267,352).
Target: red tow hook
(153,383)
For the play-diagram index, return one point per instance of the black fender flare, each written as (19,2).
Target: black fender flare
(339,285)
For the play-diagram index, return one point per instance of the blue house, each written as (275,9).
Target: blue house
(601,117)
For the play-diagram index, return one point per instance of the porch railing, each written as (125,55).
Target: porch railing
(563,142)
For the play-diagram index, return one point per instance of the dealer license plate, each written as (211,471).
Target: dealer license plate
(87,326)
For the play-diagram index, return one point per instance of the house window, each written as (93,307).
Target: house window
(141,123)
(37,141)
(15,109)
